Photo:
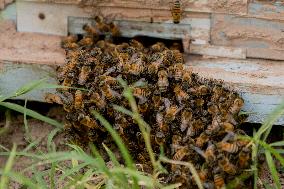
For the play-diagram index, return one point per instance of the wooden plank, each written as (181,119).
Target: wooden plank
(273,10)
(218,51)
(229,6)
(9,13)
(257,35)
(15,75)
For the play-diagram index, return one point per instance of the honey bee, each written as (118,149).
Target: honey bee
(109,93)
(53,98)
(180,94)
(136,44)
(237,105)
(215,126)
(180,154)
(202,90)
(227,127)
(195,128)
(244,157)
(178,57)
(141,94)
(136,69)
(213,109)
(210,152)
(69,46)
(186,117)
(98,100)
(186,78)
(201,139)
(153,68)
(176,143)
(143,108)
(103,27)
(70,39)
(199,102)
(67,82)
(219,181)
(161,124)
(84,74)
(203,174)
(160,138)
(171,110)
(114,30)
(163,81)
(157,101)
(176,12)
(92,31)
(67,100)
(86,41)
(225,164)
(90,123)
(78,100)
(228,147)
(178,71)
(158,47)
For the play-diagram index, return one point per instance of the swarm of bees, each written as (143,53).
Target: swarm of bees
(192,118)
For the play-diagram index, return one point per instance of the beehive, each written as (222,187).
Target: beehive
(238,41)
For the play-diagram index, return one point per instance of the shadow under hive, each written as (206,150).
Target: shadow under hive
(194,119)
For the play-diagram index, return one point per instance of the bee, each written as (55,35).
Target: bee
(199,102)
(219,181)
(171,110)
(227,127)
(86,41)
(53,98)
(158,47)
(136,44)
(186,78)
(237,105)
(213,109)
(225,165)
(153,68)
(141,94)
(84,74)
(178,57)
(102,27)
(108,80)
(215,126)
(178,71)
(160,138)
(136,69)
(78,100)
(98,100)
(67,82)
(143,108)
(210,152)
(203,174)
(92,31)
(67,99)
(70,39)
(109,93)
(114,30)
(180,94)
(180,154)
(70,46)
(163,81)
(176,143)
(202,90)
(228,147)
(176,12)
(161,124)
(90,123)
(157,101)
(195,128)
(244,157)
(201,139)
(186,117)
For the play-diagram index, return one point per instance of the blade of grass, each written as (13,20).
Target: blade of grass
(124,151)
(23,180)
(52,176)
(38,177)
(8,166)
(254,157)
(69,172)
(50,137)
(27,132)
(272,168)
(279,143)
(101,162)
(31,113)
(7,122)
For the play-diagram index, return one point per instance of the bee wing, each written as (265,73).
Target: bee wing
(229,136)
(116,94)
(198,150)
(142,99)
(159,117)
(110,70)
(140,83)
(167,103)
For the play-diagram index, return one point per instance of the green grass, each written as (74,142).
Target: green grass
(96,172)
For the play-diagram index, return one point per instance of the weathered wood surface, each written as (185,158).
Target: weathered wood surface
(256,35)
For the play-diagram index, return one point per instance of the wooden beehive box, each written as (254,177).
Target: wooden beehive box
(238,41)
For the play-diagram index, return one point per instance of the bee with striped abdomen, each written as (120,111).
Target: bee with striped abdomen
(176,12)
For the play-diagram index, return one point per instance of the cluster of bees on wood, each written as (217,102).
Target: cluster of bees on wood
(194,119)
